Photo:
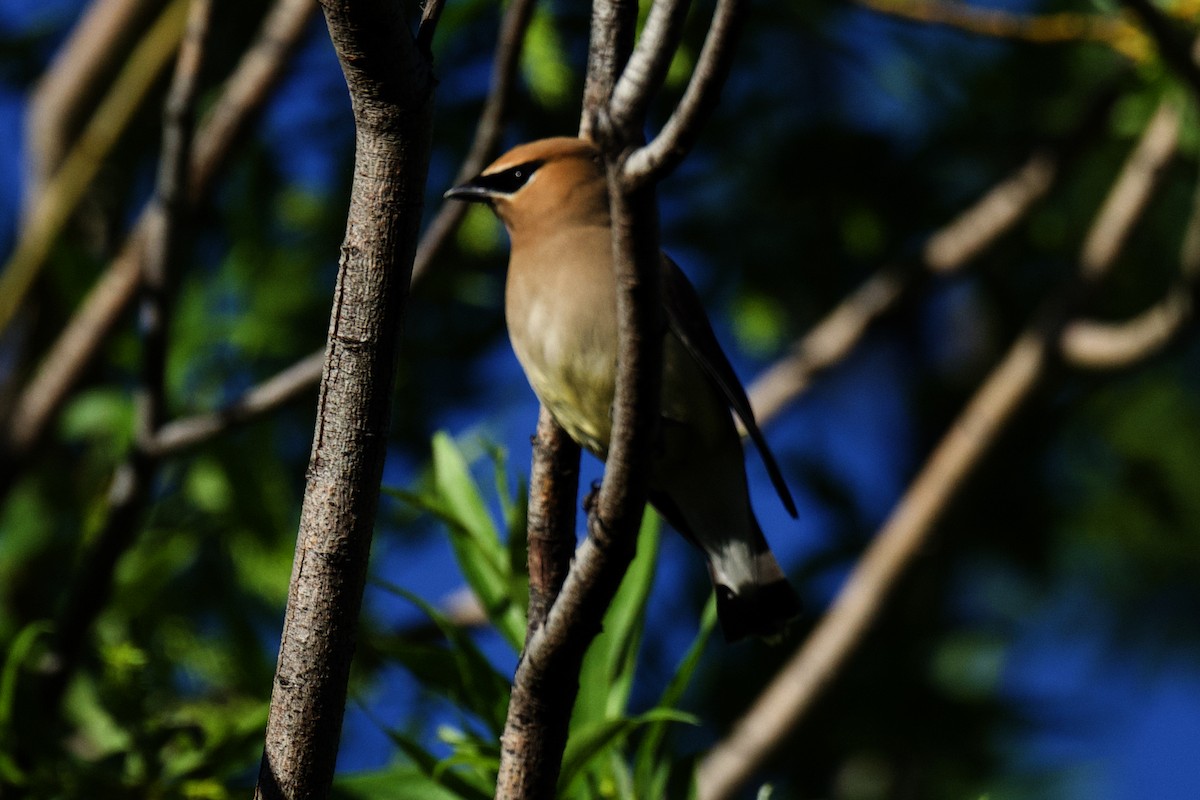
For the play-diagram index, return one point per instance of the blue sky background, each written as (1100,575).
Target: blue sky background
(1105,717)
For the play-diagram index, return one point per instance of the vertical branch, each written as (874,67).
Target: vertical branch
(129,489)
(552,484)
(391,86)
(609,46)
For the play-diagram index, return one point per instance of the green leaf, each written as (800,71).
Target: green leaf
(400,782)
(594,740)
(650,777)
(483,558)
(19,651)
(608,668)
(545,63)
(454,782)
(459,671)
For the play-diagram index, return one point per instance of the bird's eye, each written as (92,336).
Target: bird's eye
(509,181)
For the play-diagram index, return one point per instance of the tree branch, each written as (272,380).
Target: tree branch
(609,45)
(391,87)
(654,161)
(648,65)
(791,695)
(96,46)
(53,208)
(488,130)
(553,481)
(258,70)
(1177,52)
(89,591)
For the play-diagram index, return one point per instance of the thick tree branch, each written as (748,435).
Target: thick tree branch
(791,695)
(391,85)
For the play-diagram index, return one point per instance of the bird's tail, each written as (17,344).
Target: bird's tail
(754,597)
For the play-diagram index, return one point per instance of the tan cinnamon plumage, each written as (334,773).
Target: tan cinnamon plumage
(560,304)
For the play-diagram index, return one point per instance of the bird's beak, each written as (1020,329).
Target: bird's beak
(470,192)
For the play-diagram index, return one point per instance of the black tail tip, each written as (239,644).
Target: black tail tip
(764,611)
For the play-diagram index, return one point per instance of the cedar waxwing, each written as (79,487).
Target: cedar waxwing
(561,309)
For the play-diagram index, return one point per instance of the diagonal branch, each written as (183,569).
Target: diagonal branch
(69,356)
(648,65)
(53,207)
(505,61)
(791,695)
(667,149)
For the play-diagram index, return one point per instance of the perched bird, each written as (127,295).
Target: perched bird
(561,309)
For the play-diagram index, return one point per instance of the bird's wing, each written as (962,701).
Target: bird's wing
(689,322)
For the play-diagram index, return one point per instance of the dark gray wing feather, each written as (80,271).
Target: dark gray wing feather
(689,322)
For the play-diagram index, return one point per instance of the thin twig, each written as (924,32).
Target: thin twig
(1131,191)
(794,690)
(97,44)
(89,591)
(301,377)
(53,208)
(1087,344)
(654,161)
(168,217)
(947,250)
(259,69)
(488,129)
(648,65)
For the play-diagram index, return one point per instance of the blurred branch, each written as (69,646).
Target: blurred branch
(488,130)
(1177,49)
(53,207)
(88,593)
(168,212)
(302,376)
(1113,31)
(243,95)
(390,79)
(949,249)
(1115,345)
(1131,191)
(1097,345)
(794,690)
(97,44)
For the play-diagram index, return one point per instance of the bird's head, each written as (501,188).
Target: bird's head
(550,182)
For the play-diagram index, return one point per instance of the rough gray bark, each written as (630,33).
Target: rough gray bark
(391,85)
